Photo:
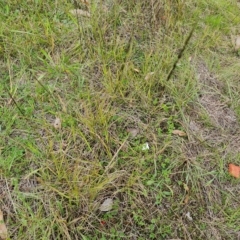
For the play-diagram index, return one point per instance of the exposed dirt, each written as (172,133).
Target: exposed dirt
(213,131)
(211,120)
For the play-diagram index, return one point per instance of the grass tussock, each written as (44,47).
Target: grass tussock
(120,80)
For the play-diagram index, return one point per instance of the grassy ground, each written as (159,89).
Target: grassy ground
(117,80)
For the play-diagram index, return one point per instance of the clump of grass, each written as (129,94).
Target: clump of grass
(102,76)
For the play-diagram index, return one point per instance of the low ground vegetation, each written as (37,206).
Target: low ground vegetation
(89,106)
